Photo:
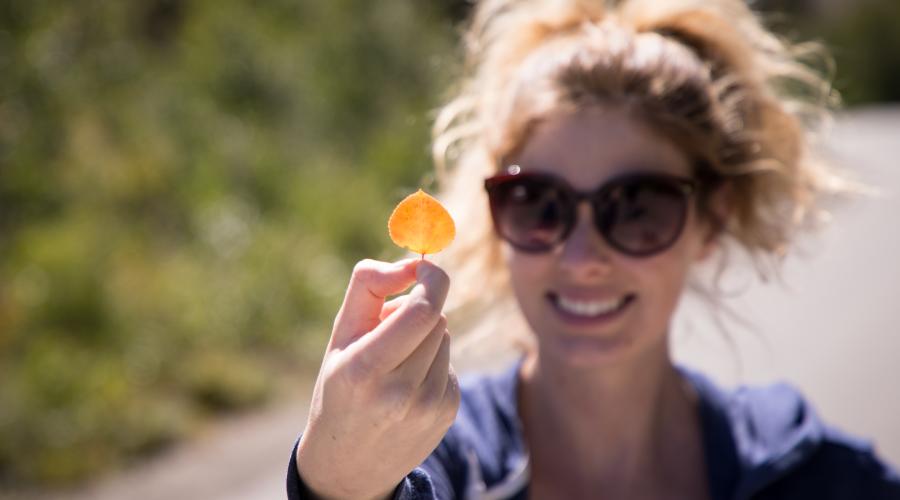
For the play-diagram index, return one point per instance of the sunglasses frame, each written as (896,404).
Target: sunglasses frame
(687,186)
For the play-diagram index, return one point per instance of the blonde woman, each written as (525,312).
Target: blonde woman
(596,155)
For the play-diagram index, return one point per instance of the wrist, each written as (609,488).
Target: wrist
(321,485)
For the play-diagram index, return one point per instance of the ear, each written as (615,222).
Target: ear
(720,205)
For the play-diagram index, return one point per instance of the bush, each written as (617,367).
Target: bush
(185,188)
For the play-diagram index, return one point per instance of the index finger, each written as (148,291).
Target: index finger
(371,282)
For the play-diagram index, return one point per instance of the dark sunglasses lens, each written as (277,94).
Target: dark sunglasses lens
(643,216)
(529,213)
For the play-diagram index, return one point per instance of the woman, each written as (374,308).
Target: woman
(601,153)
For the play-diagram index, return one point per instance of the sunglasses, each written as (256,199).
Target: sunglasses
(638,214)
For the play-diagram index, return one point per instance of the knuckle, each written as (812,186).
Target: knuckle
(443,340)
(453,395)
(442,323)
(397,400)
(447,417)
(422,312)
(429,401)
(442,337)
(364,269)
(447,411)
(357,371)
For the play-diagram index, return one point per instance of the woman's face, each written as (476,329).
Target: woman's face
(564,293)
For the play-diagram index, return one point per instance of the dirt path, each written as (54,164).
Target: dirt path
(242,458)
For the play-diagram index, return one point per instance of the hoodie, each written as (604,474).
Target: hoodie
(760,443)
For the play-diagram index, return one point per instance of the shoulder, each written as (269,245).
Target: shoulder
(844,466)
(783,448)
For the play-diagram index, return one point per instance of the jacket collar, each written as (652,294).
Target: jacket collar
(751,435)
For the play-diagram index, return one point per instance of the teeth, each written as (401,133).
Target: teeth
(589,308)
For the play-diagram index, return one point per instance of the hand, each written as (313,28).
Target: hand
(386,394)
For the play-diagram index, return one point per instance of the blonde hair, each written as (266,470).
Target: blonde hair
(742,102)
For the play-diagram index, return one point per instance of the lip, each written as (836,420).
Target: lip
(593,321)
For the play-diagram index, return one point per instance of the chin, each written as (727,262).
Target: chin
(584,351)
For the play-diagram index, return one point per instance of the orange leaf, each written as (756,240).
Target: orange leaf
(421,224)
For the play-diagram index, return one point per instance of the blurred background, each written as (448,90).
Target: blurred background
(186,184)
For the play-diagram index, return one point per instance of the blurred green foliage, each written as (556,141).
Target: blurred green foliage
(865,41)
(860,35)
(184,187)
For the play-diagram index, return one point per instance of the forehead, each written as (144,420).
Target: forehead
(595,143)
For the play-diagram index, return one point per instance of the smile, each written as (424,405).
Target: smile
(589,309)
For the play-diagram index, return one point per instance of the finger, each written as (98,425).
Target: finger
(371,282)
(415,367)
(435,383)
(399,335)
(391,306)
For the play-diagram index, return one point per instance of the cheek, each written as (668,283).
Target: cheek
(529,275)
(526,272)
(662,278)
(659,283)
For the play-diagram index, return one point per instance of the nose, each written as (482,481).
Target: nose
(585,254)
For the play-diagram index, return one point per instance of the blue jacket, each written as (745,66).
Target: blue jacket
(760,443)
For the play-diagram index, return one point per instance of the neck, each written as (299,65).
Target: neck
(617,422)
